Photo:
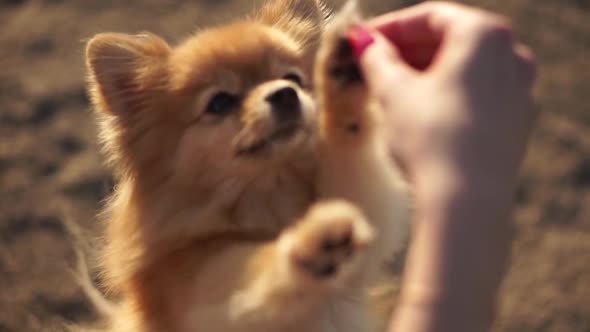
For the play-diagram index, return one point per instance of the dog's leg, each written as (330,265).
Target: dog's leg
(304,267)
(354,162)
(241,283)
(345,119)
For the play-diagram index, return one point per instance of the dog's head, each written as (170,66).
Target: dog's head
(231,102)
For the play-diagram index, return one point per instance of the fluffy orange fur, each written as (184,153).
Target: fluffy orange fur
(253,193)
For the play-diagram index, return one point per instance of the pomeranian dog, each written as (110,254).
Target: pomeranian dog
(254,191)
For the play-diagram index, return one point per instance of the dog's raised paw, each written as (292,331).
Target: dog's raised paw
(329,240)
(343,68)
(342,96)
(336,57)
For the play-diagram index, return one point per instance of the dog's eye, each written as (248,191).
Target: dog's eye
(294,78)
(222,103)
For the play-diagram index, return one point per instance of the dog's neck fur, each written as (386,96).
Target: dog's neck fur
(275,200)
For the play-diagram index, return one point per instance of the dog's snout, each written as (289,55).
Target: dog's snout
(285,97)
(285,103)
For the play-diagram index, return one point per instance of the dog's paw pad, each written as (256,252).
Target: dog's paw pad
(342,66)
(330,237)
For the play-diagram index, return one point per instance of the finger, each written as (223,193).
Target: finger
(526,64)
(418,31)
(479,42)
(427,31)
(383,65)
(424,23)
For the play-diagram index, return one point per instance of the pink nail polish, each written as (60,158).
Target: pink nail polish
(360,38)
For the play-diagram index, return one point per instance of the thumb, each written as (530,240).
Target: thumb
(379,59)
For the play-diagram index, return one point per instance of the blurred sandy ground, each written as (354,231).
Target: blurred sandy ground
(49,159)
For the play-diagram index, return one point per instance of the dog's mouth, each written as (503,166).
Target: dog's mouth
(282,134)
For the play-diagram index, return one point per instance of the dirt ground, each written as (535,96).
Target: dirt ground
(50,166)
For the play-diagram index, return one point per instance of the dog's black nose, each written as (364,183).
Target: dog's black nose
(285,104)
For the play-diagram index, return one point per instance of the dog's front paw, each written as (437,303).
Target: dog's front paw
(328,242)
(335,65)
(341,92)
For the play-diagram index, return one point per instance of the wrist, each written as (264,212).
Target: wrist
(437,188)
(458,254)
(441,316)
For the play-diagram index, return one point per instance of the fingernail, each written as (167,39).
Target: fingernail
(360,38)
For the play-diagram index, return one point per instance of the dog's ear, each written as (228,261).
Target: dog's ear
(123,68)
(301,19)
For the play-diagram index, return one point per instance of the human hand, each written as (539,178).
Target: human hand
(455,89)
